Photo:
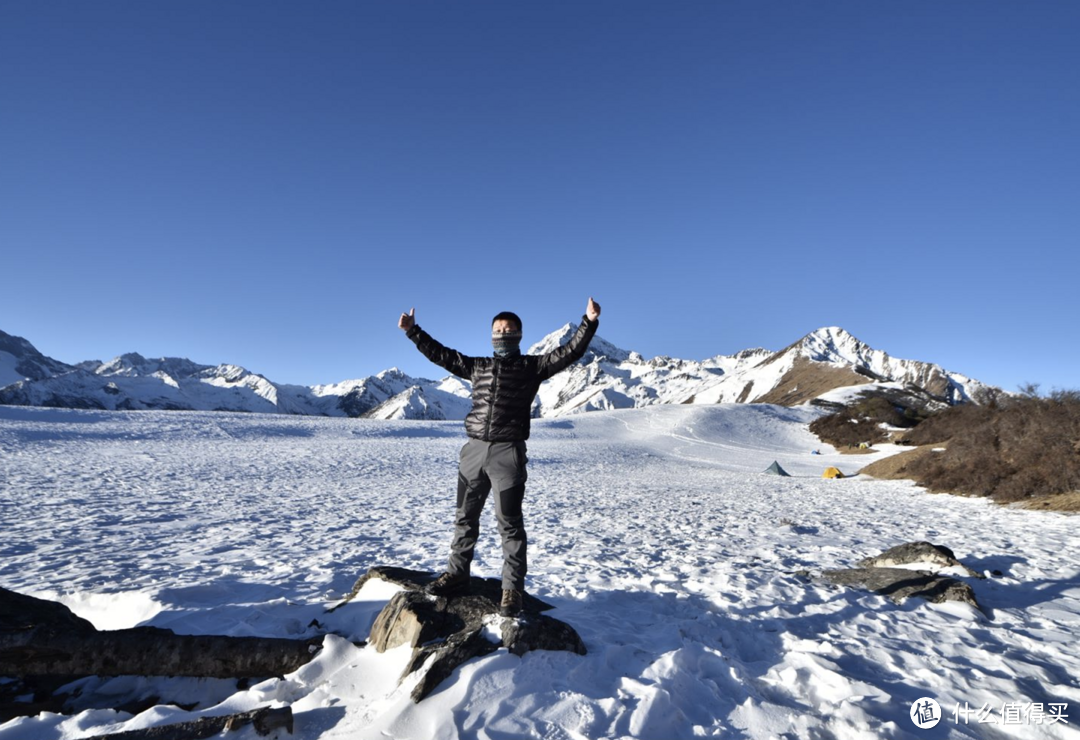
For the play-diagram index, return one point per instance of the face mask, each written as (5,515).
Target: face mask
(506,344)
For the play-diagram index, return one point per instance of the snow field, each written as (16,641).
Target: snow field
(652,531)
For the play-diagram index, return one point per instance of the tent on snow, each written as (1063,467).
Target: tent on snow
(832,473)
(775,469)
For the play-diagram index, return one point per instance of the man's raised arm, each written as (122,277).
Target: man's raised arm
(563,357)
(446,358)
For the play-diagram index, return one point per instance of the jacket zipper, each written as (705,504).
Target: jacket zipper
(491,400)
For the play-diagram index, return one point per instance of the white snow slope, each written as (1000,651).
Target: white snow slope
(651,530)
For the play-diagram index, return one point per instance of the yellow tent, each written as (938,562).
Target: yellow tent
(832,473)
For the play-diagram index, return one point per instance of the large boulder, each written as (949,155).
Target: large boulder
(43,646)
(265,721)
(900,583)
(44,638)
(911,553)
(881,574)
(444,632)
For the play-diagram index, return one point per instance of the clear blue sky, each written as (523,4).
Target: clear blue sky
(270,184)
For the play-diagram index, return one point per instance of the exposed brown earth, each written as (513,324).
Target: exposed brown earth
(808,379)
(897,467)
(745,393)
(1056,502)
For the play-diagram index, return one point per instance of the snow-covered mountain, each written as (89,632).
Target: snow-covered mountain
(820,362)
(133,382)
(20,360)
(831,358)
(448,399)
(608,377)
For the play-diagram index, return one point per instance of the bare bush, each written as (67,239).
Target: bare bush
(1019,448)
(862,422)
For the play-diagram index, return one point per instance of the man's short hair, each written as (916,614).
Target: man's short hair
(507,316)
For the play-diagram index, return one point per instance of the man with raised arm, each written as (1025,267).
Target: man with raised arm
(503,389)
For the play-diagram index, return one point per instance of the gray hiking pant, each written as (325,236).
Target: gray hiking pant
(483,467)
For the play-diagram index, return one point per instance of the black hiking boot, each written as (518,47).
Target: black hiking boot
(448,584)
(511,602)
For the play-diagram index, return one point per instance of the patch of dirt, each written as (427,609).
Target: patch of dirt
(1065,502)
(896,467)
(807,380)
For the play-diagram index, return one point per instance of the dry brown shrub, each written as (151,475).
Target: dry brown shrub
(861,422)
(1014,450)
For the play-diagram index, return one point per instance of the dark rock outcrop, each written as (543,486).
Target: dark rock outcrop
(878,575)
(30,363)
(43,638)
(444,632)
(264,720)
(917,552)
(900,583)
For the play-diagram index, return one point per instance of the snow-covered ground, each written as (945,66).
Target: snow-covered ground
(652,530)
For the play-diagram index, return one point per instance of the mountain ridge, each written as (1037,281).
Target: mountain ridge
(607,377)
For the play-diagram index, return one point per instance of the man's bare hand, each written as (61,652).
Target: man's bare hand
(407,320)
(593,310)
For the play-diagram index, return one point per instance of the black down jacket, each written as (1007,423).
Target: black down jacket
(503,388)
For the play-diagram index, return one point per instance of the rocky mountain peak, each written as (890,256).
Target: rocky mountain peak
(25,362)
(598,347)
(833,344)
(750,354)
(395,378)
(17,346)
(130,363)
